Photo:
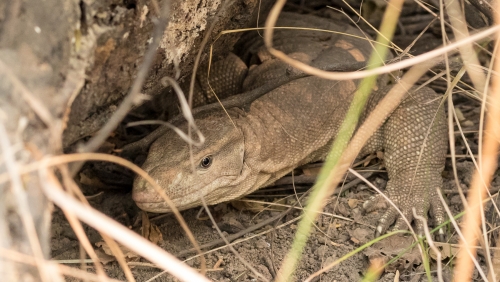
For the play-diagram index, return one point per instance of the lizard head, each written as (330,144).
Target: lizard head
(217,164)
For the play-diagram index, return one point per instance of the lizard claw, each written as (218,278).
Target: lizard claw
(438,214)
(405,202)
(440,237)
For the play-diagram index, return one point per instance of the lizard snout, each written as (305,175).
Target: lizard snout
(143,192)
(147,199)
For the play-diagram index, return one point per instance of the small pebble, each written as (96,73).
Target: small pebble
(321,251)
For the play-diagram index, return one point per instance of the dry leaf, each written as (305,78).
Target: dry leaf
(154,234)
(103,257)
(447,250)
(91,181)
(242,205)
(311,171)
(394,246)
(150,231)
(107,147)
(145,224)
(361,235)
(352,203)
(127,253)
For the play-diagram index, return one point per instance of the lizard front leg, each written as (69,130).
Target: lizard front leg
(414,138)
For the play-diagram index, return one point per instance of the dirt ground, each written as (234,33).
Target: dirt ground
(340,230)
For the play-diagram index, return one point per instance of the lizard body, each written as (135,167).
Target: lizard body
(294,124)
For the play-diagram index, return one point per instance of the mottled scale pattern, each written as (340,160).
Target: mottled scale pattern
(415,167)
(226,79)
(295,124)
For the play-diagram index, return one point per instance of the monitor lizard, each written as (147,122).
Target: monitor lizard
(295,123)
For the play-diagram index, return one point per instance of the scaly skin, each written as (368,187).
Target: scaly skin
(295,124)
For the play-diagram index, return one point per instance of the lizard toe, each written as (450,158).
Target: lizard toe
(385,221)
(421,212)
(374,203)
(438,214)
(401,223)
(440,237)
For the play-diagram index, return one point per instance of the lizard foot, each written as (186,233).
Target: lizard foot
(414,138)
(423,204)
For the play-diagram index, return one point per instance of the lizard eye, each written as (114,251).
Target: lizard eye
(206,162)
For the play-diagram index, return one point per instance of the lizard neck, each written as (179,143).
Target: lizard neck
(251,177)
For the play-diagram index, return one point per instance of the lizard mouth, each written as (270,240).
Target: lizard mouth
(159,207)
(163,207)
(156,204)
(147,199)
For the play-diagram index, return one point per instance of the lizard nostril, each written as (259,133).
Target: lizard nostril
(142,192)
